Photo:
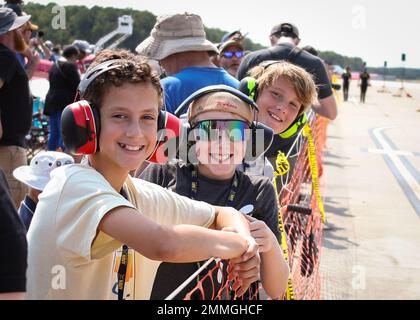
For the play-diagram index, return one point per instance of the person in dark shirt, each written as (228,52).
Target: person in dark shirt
(363,83)
(13,247)
(15,101)
(64,79)
(346,76)
(284,40)
(15,5)
(215,180)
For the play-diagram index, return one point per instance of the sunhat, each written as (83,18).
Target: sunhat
(37,174)
(176,33)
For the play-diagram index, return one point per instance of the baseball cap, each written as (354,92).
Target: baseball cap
(82,45)
(285,27)
(37,174)
(235,35)
(220,101)
(226,44)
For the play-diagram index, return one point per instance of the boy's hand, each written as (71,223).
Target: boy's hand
(246,269)
(261,233)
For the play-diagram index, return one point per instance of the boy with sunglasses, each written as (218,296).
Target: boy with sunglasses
(220,127)
(88,211)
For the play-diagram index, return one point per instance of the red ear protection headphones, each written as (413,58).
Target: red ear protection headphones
(80,121)
(259,131)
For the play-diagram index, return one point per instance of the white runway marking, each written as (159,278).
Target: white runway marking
(406,175)
(396,152)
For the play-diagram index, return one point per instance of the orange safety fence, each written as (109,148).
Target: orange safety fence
(304,228)
(302,218)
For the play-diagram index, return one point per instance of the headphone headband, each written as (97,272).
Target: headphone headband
(215,88)
(93,73)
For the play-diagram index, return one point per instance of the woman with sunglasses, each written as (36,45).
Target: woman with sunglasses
(220,126)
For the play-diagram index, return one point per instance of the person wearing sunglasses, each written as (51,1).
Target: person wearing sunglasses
(230,57)
(220,124)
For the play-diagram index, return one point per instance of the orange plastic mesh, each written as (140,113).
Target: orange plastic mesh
(303,232)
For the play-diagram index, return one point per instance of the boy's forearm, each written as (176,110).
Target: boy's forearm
(229,217)
(180,243)
(191,243)
(274,271)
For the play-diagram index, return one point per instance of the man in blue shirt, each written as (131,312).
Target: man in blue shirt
(178,42)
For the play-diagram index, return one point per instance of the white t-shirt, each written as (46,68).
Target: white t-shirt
(67,259)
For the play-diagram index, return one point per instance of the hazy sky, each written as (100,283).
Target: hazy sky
(375,30)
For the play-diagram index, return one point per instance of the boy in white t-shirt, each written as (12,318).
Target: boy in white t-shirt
(87,212)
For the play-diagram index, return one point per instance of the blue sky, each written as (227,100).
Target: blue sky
(374,30)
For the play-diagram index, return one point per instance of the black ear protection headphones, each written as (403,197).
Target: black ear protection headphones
(259,131)
(80,121)
(249,86)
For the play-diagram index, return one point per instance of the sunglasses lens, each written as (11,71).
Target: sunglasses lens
(213,129)
(230,54)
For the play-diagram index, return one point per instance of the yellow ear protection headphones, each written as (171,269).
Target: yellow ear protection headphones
(249,86)
(259,131)
(80,121)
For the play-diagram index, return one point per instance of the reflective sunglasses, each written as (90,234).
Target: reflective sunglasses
(230,54)
(211,130)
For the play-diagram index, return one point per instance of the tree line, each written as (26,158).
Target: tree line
(92,24)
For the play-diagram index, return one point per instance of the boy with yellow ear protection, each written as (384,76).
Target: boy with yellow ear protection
(97,233)
(220,122)
(283,93)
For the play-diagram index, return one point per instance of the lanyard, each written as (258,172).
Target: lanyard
(229,202)
(122,271)
(232,192)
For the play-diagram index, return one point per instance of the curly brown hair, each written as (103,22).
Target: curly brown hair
(135,69)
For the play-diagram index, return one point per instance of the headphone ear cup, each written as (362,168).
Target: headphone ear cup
(187,152)
(295,127)
(161,125)
(168,135)
(249,87)
(259,142)
(80,126)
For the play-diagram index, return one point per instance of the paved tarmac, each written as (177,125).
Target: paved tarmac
(371,185)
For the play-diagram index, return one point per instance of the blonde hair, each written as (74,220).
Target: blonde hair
(301,80)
